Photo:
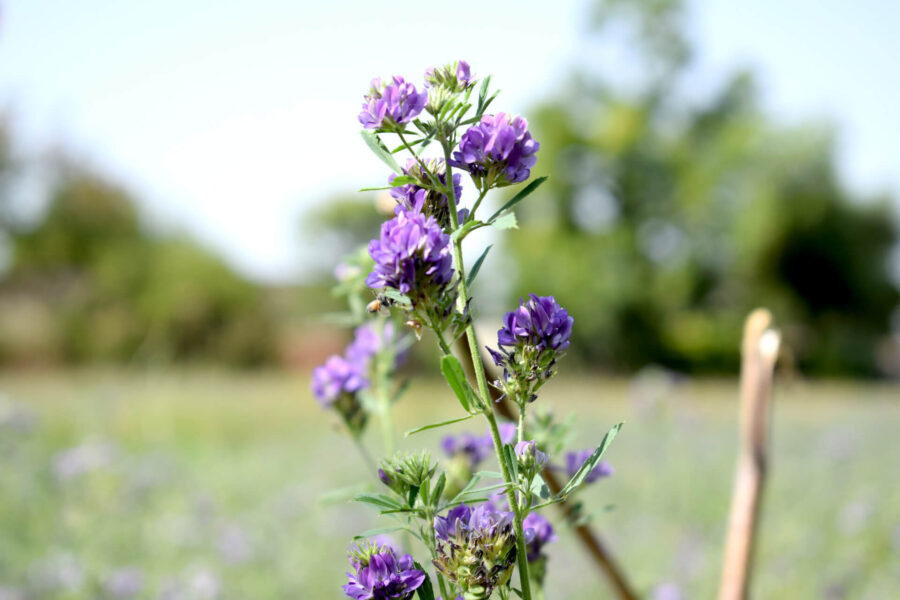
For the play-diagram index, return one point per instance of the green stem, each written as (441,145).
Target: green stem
(521,429)
(434,180)
(478,202)
(367,458)
(382,376)
(483,391)
(431,543)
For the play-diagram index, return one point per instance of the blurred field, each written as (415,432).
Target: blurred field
(207,485)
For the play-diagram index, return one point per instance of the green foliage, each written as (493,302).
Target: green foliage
(114,292)
(669,220)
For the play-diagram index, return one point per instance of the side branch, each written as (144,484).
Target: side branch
(591,541)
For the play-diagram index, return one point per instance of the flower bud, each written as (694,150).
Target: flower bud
(531,460)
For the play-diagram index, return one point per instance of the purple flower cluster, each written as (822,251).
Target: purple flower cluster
(574,461)
(391,104)
(476,548)
(415,197)
(412,256)
(477,448)
(381,575)
(498,149)
(532,338)
(462,520)
(337,376)
(348,373)
(540,323)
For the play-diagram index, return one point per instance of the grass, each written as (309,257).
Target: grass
(210,484)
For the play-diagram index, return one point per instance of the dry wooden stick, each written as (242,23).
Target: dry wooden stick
(758,354)
(588,537)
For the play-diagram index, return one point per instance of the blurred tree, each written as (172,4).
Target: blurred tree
(669,219)
(111,291)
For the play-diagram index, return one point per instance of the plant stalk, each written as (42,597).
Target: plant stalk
(483,392)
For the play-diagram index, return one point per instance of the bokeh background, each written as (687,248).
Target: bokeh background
(177,182)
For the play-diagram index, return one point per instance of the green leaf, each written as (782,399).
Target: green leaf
(506,220)
(487,488)
(477,266)
(438,489)
(377,146)
(413,493)
(424,591)
(472,482)
(456,378)
(465,229)
(539,487)
(373,189)
(342,494)
(401,389)
(588,466)
(482,94)
(397,297)
(379,500)
(512,464)
(526,191)
(436,425)
(401,180)
(489,474)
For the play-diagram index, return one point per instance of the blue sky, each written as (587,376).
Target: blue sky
(228,119)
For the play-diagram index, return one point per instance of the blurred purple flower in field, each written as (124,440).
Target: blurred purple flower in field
(477,448)
(345,271)
(82,459)
(61,573)
(499,149)
(574,460)
(335,377)
(16,417)
(124,583)
(389,104)
(371,338)
(9,593)
(666,591)
(233,545)
(541,534)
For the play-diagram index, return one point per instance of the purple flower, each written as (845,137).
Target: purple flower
(540,323)
(412,256)
(477,448)
(476,547)
(499,149)
(541,534)
(574,460)
(391,104)
(335,377)
(418,197)
(380,575)
(532,338)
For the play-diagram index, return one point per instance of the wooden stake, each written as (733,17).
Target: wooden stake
(758,354)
